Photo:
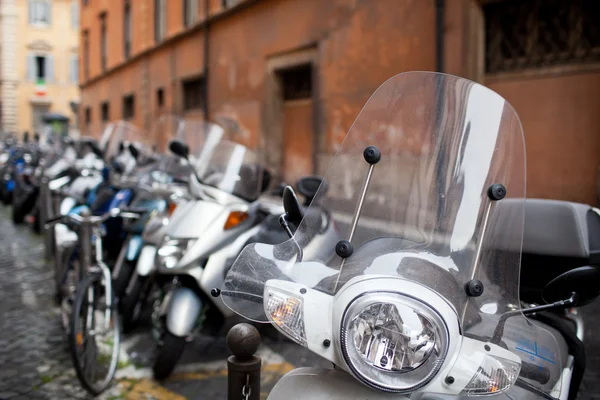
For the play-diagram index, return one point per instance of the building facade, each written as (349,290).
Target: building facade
(290,76)
(39,49)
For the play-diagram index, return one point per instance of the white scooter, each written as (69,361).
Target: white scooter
(421,298)
(202,237)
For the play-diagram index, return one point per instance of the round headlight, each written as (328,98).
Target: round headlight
(393,342)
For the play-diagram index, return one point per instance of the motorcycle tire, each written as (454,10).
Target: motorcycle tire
(18,216)
(121,282)
(36,226)
(131,304)
(168,354)
(6,197)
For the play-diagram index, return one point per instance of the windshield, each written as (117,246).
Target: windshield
(119,134)
(422,213)
(235,169)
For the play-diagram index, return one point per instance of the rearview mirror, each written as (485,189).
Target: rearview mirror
(585,281)
(179,148)
(134,151)
(292,207)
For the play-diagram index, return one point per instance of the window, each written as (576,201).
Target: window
(539,33)
(40,12)
(160,97)
(127,29)
(129,106)
(40,68)
(105,111)
(229,3)
(296,82)
(190,11)
(160,19)
(85,2)
(193,94)
(74,69)
(86,55)
(88,116)
(103,42)
(74,14)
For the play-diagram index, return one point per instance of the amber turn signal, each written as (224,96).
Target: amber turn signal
(235,218)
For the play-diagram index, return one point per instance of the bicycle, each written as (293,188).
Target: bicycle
(94,333)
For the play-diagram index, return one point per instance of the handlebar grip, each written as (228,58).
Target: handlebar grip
(535,372)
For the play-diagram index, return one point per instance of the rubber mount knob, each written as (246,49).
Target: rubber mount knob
(344,249)
(474,288)
(497,191)
(372,155)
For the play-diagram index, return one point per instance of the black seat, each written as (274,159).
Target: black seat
(558,237)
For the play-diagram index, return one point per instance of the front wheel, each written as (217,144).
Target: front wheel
(132,303)
(168,353)
(18,214)
(94,335)
(37,225)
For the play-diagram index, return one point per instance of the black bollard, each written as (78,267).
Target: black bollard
(243,367)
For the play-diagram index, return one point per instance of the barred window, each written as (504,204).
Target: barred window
(527,34)
(296,82)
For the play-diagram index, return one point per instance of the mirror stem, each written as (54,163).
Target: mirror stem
(499,331)
(192,168)
(285,224)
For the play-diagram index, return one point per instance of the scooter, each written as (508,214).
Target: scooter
(420,299)
(202,236)
(146,236)
(166,182)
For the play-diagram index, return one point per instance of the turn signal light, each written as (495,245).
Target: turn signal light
(235,218)
(172,208)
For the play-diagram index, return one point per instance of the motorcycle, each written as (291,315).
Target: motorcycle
(166,182)
(202,236)
(420,299)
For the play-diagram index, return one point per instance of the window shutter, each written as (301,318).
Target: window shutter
(74,69)
(31,67)
(48,6)
(75,14)
(50,68)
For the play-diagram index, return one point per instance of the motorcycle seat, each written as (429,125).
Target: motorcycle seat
(558,236)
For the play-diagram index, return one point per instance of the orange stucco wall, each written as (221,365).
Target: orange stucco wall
(561,121)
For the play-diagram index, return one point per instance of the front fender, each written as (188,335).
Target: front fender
(324,384)
(145,263)
(184,309)
(134,247)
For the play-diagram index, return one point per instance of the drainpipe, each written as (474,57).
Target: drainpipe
(206,43)
(439,35)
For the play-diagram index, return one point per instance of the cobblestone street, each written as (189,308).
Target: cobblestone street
(35,362)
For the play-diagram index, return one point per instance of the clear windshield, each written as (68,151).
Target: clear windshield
(202,138)
(166,128)
(234,169)
(119,134)
(423,213)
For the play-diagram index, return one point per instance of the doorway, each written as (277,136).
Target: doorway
(37,112)
(296,85)
(291,115)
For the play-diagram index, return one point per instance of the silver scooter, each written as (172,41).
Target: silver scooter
(203,236)
(167,181)
(421,299)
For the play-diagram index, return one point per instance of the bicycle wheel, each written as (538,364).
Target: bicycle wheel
(94,337)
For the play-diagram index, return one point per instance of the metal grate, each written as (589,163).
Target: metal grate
(296,82)
(526,34)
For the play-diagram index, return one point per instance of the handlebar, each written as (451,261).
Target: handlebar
(94,219)
(534,372)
